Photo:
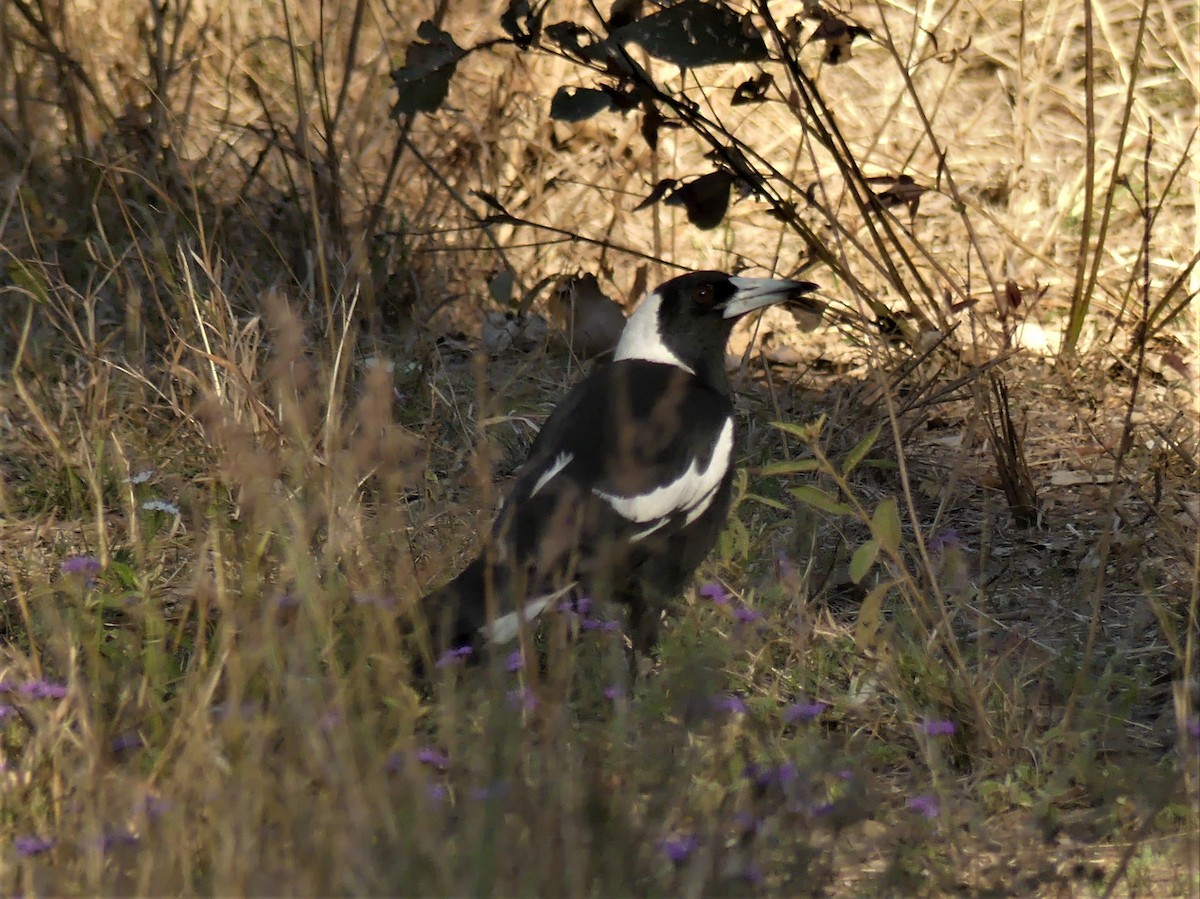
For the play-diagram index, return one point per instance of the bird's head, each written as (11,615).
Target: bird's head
(687,321)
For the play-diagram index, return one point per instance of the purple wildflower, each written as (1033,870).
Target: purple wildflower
(804,711)
(767,775)
(126,742)
(1193,727)
(925,805)
(599,624)
(820,809)
(6,711)
(523,698)
(370,599)
(491,791)
(394,763)
(43,689)
(27,846)
(613,692)
(454,656)
(938,728)
(580,605)
(114,838)
(286,601)
(434,758)
(6,686)
(752,873)
(785,568)
(845,774)
(735,705)
(515,661)
(747,823)
(678,848)
(85,565)
(715,592)
(746,615)
(437,792)
(153,807)
(947,539)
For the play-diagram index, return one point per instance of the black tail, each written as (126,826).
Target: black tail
(455,613)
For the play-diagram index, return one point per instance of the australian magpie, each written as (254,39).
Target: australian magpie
(627,485)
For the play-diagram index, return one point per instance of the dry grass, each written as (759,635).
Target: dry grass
(239,372)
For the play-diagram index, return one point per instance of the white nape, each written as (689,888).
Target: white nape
(642,338)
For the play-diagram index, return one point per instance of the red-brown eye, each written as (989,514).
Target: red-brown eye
(703,295)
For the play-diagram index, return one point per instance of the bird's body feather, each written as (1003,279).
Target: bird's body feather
(627,485)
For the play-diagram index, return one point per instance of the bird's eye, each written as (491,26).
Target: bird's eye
(703,294)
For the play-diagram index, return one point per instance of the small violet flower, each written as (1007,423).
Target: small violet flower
(453,657)
(126,742)
(1193,727)
(613,692)
(925,805)
(735,705)
(804,711)
(515,661)
(434,758)
(88,566)
(523,698)
(43,689)
(947,539)
(6,711)
(581,605)
(679,848)
(715,592)
(114,838)
(27,846)
(746,615)
(938,728)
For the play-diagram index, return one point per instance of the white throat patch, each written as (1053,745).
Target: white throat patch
(642,338)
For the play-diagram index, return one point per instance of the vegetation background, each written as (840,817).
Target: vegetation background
(267,358)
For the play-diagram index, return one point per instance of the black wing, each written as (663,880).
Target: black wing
(637,448)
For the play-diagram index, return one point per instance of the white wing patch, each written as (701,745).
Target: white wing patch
(692,492)
(506,627)
(642,338)
(561,461)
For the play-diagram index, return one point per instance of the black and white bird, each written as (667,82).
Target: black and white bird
(627,486)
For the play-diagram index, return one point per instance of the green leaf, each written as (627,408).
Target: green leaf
(574,104)
(808,433)
(870,618)
(885,525)
(860,450)
(795,467)
(694,33)
(125,573)
(767,501)
(862,560)
(819,499)
(31,280)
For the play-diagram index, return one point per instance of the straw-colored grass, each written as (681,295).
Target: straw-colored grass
(245,422)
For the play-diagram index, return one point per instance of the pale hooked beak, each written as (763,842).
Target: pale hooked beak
(755,293)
